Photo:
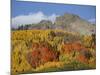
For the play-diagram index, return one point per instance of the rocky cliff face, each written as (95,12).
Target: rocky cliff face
(74,23)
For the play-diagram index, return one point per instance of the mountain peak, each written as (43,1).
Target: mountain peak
(74,23)
(67,22)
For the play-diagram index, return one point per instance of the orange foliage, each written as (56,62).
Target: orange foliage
(41,55)
(35,45)
(82,59)
(69,47)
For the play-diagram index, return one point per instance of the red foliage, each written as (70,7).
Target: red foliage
(68,48)
(32,58)
(35,53)
(47,55)
(82,59)
(35,45)
(94,46)
(44,50)
(77,46)
(41,55)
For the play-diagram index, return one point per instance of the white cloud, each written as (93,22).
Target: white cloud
(32,18)
(93,20)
